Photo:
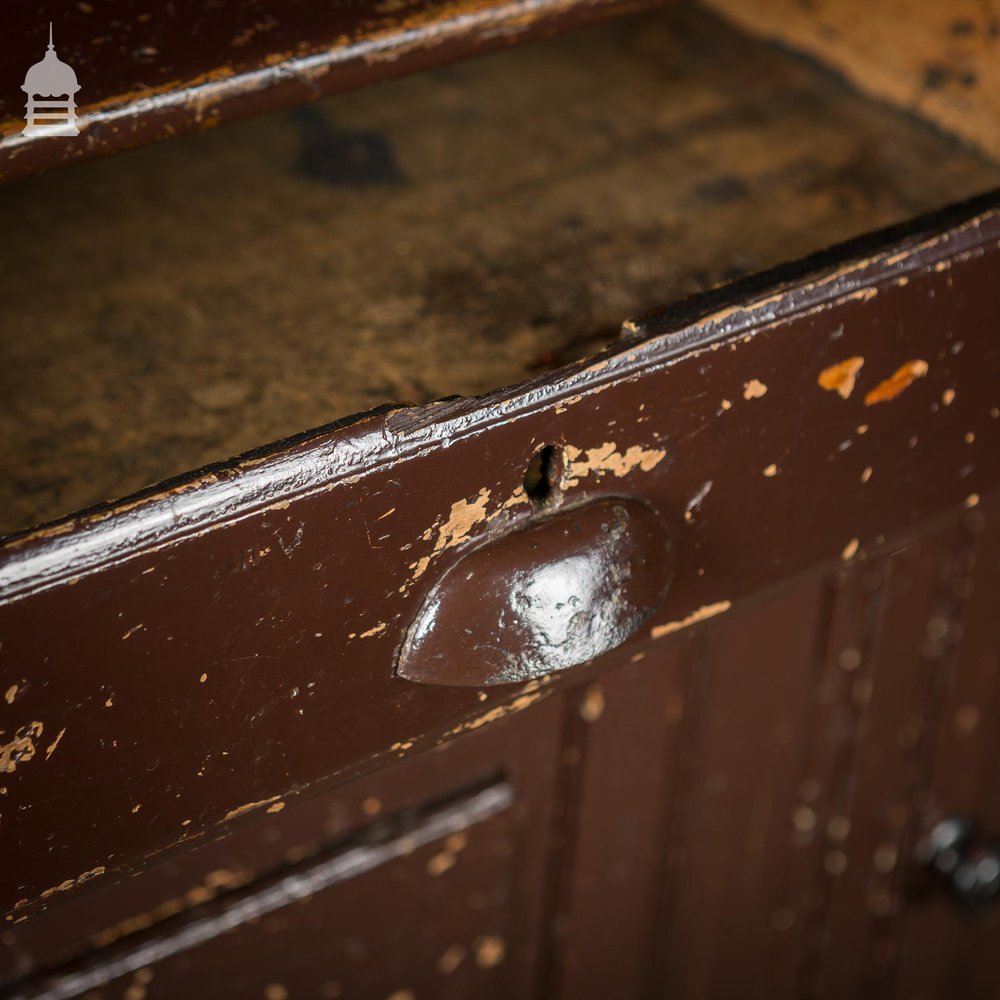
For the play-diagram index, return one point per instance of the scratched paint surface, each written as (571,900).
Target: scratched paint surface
(462,946)
(297,638)
(216,726)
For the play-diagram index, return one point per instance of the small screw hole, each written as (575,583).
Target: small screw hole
(543,475)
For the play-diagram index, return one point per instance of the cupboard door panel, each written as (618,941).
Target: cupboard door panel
(748,799)
(463,830)
(942,950)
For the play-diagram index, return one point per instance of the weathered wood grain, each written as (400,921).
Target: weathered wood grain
(938,60)
(450,233)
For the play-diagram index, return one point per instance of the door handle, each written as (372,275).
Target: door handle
(543,598)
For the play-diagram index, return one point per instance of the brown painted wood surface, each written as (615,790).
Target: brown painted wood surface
(520,751)
(213,781)
(150,73)
(740,800)
(773,818)
(386,860)
(229,609)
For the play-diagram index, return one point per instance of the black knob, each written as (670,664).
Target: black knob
(966,865)
(977,879)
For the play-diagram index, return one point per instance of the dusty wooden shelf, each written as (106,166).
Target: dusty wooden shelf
(447,233)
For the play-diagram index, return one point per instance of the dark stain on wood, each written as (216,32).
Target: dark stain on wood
(222,300)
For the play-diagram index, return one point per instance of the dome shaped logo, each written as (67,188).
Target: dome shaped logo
(51,87)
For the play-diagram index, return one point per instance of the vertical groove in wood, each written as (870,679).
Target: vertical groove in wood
(619,727)
(796,890)
(848,677)
(894,705)
(565,814)
(823,791)
(942,952)
(697,664)
(973,965)
(808,734)
(941,625)
(732,830)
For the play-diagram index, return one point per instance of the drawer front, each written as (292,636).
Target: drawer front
(227,643)
(371,920)
(429,875)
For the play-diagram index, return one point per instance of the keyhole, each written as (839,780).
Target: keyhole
(543,477)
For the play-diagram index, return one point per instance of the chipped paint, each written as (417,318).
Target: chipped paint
(567,403)
(374,630)
(71,883)
(62,887)
(840,378)
(11,694)
(51,749)
(276,808)
(213,883)
(849,550)
(248,807)
(754,389)
(464,516)
(770,470)
(902,378)
(606,458)
(21,749)
(948,397)
(495,714)
(517,497)
(703,613)
(866,474)
(972,500)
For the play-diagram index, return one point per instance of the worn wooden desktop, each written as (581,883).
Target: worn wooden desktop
(637,630)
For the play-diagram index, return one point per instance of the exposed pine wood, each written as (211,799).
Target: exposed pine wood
(940,60)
